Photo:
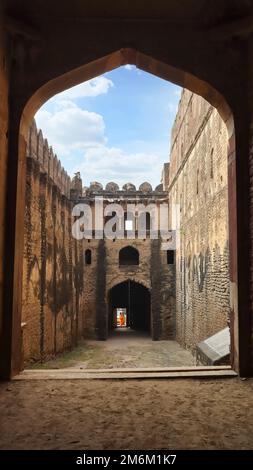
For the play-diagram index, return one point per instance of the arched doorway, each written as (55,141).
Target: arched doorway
(128,256)
(11,343)
(129,307)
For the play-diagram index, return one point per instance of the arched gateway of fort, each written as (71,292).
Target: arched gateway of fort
(94,253)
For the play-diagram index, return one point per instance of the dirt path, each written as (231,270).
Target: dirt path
(125,348)
(165,414)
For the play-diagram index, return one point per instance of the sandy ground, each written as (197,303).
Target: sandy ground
(125,348)
(148,414)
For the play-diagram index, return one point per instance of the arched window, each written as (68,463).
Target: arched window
(148,221)
(144,221)
(170,256)
(128,256)
(88,257)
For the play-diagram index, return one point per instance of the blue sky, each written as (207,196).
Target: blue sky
(115,127)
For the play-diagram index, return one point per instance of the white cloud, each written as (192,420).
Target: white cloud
(133,67)
(66,125)
(106,164)
(129,67)
(70,127)
(78,138)
(96,86)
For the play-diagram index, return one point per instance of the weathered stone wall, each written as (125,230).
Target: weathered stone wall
(104,273)
(163,293)
(63,297)
(53,260)
(198,183)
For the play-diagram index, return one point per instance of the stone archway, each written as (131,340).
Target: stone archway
(135,299)
(12,340)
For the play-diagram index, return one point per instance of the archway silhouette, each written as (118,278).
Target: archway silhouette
(128,256)
(135,299)
(12,340)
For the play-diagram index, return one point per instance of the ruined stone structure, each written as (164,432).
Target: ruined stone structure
(198,183)
(72,285)
(45,48)
(52,299)
(216,64)
(69,285)
(106,271)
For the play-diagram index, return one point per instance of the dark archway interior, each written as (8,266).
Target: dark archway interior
(136,299)
(128,256)
(88,257)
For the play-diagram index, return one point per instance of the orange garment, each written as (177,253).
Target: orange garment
(122,319)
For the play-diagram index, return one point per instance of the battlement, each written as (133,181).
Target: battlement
(39,150)
(128,188)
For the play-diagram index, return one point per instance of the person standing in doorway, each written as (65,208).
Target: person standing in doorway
(122,319)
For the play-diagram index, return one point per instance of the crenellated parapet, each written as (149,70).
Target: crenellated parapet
(127,188)
(39,150)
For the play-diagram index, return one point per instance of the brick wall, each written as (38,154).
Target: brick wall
(198,183)
(104,273)
(53,260)
(64,298)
